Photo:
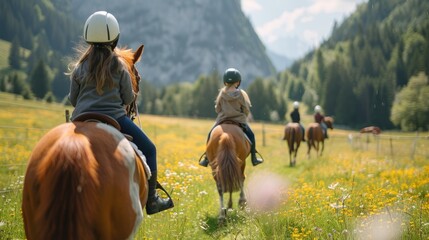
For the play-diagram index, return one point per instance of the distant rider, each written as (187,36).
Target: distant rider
(234,104)
(320,119)
(296,118)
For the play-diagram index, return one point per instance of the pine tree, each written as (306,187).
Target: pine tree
(204,94)
(39,81)
(14,58)
(60,85)
(19,84)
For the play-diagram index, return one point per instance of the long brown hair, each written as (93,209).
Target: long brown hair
(102,63)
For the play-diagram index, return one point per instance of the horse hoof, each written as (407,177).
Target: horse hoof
(221,221)
(242,204)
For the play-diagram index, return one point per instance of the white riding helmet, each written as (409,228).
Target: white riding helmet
(101,27)
(295,104)
(317,108)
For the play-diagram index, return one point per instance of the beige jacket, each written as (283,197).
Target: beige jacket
(232,105)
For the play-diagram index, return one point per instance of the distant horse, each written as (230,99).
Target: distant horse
(227,150)
(85,181)
(314,135)
(371,129)
(293,136)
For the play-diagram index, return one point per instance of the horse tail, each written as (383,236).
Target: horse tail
(68,181)
(228,170)
(292,142)
(291,138)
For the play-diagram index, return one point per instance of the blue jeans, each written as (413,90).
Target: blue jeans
(140,139)
(324,128)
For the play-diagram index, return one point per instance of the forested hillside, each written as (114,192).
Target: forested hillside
(372,70)
(183,40)
(40,33)
(355,74)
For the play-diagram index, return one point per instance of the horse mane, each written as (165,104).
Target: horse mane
(71,160)
(329,122)
(127,56)
(329,119)
(228,168)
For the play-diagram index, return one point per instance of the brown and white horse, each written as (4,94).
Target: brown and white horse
(293,136)
(314,135)
(84,181)
(227,150)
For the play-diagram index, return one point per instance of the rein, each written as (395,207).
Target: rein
(133,112)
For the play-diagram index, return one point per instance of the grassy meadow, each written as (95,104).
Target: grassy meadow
(361,188)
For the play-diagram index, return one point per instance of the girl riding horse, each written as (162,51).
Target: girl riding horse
(320,119)
(100,82)
(233,104)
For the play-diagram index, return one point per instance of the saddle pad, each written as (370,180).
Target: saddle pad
(143,159)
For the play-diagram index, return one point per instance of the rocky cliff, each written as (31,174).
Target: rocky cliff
(186,38)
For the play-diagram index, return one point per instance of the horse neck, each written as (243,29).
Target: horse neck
(128,58)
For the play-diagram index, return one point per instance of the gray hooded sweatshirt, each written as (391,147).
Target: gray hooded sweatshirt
(84,97)
(232,105)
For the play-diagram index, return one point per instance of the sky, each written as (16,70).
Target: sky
(294,27)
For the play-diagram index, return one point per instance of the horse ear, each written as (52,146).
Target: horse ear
(138,53)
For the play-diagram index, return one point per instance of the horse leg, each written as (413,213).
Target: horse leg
(230,201)
(242,201)
(222,210)
(294,156)
(309,147)
(323,146)
(317,148)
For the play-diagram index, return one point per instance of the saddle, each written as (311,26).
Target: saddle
(233,123)
(101,118)
(241,125)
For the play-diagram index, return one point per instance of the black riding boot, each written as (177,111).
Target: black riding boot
(204,162)
(255,160)
(155,203)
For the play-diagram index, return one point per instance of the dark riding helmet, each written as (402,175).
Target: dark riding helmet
(231,75)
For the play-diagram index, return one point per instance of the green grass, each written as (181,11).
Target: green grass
(340,195)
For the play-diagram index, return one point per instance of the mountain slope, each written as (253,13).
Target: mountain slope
(186,38)
(355,74)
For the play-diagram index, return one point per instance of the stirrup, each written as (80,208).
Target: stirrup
(169,201)
(257,161)
(158,186)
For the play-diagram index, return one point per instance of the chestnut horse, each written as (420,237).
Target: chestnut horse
(371,129)
(85,181)
(293,136)
(314,134)
(227,150)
